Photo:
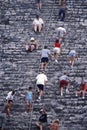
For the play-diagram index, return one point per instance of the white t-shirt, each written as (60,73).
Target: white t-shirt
(9,96)
(61,31)
(41,78)
(45,52)
(64,77)
(38,21)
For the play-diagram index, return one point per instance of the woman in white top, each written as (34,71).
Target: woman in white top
(38,24)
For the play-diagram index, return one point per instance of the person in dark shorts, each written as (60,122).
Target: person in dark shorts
(45,53)
(41,82)
(39,4)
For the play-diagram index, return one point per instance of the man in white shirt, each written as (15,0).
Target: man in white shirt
(38,24)
(41,82)
(61,33)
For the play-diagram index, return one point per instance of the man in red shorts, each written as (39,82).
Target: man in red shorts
(64,82)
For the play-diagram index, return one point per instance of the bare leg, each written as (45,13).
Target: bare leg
(83,94)
(40,126)
(46,65)
(35,28)
(40,5)
(78,92)
(27,107)
(27,47)
(40,27)
(42,66)
(40,93)
(61,91)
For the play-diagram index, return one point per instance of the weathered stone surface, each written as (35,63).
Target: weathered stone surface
(19,68)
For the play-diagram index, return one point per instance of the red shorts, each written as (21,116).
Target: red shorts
(63,83)
(84,87)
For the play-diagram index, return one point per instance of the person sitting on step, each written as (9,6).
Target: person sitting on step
(31,45)
(38,24)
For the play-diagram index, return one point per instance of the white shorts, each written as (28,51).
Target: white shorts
(56,50)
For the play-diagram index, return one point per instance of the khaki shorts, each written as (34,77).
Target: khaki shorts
(56,50)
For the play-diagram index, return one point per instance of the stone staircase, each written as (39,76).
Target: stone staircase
(19,68)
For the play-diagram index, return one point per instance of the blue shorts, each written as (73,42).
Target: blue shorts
(44,59)
(38,1)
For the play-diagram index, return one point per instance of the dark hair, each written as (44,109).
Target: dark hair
(13,92)
(65,73)
(45,47)
(57,40)
(9,101)
(30,88)
(37,16)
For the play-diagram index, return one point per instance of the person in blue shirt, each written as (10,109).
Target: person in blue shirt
(28,99)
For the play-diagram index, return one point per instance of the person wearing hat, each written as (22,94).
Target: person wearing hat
(31,45)
(42,119)
(38,24)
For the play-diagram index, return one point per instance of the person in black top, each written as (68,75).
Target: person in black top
(42,119)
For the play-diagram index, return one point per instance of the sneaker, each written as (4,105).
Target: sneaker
(83,97)
(56,61)
(67,91)
(61,94)
(76,95)
(39,98)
